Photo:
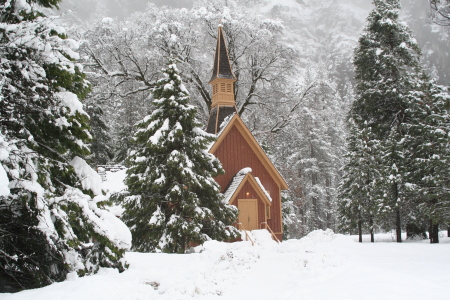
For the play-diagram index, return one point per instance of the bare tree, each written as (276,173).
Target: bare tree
(440,12)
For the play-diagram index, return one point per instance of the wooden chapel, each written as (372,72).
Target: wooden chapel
(251,182)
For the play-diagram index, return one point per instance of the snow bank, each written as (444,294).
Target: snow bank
(322,265)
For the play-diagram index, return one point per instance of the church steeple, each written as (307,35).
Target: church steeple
(222,82)
(222,66)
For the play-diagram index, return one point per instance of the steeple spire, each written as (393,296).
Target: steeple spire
(222,64)
(222,82)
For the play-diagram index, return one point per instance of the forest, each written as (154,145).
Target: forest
(295,82)
(348,99)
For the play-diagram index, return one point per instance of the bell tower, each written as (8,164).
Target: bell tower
(222,82)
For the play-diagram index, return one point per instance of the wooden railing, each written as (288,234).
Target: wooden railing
(247,236)
(274,237)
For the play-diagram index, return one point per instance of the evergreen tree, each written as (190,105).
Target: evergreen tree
(101,150)
(386,63)
(391,184)
(49,224)
(428,144)
(359,202)
(173,199)
(387,66)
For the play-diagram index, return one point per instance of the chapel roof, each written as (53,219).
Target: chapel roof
(218,117)
(236,121)
(243,176)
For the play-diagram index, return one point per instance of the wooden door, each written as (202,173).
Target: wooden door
(248,213)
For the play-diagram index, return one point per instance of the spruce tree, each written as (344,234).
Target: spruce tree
(173,199)
(386,63)
(427,141)
(391,183)
(50,225)
(359,202)
(387,66)
(101,150)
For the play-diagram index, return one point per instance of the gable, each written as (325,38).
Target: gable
(239,182)
(237,125)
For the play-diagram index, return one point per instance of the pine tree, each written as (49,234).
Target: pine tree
(391,184)
(428,143)
(101,150)
(359,202)
(49,224)
(173,199)
(387,66)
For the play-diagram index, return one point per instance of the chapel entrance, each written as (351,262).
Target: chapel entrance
(248,213)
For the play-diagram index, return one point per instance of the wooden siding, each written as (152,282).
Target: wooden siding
(235,154)
(247,188)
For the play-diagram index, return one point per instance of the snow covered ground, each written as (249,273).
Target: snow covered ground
(322,265)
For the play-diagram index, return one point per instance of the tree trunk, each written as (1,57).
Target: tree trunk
(448,232)
(372,237)
(329,207)
(360,230)
(398,223)
(434,233)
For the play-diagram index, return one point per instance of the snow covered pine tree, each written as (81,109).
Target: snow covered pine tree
(387,68)
(50,227)
(358,206)
(173,198)
(427,142)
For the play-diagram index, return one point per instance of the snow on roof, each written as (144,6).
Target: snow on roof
(245,171)
(225,123)
(235,183)
(263,189)
(222,127)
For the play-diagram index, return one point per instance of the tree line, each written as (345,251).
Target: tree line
(396,174)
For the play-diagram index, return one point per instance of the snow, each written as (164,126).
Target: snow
(245,171)
(104,222)
(322,265)
(71,101)
(154,139)
(263,189)
(114,181)
(235,183)
(4,182)
(4,154)
(90,180)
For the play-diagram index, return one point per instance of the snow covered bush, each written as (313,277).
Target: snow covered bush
(49,224)
(173,199)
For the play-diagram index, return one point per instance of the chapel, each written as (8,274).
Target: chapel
(251,182)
